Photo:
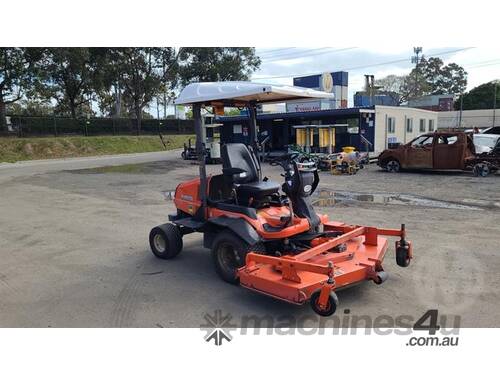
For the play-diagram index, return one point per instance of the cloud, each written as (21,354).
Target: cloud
(379,62)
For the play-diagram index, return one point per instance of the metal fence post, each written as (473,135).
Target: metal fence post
(55,126)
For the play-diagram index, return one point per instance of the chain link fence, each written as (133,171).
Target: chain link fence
(29,126)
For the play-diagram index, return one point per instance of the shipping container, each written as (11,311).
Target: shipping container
(311,82)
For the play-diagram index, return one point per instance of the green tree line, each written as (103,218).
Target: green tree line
(430,77)
(122,81)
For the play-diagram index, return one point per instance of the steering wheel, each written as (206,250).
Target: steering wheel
(285,159)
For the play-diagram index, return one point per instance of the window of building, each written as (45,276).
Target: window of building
(409,125)
(431,125)
(391,125)
(422,125)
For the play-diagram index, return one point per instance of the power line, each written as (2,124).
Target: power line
(363,66)
(310,54)
(294,53)
(274,50)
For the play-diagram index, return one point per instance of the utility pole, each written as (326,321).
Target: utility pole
(495,103)
(415,59)
(461,107)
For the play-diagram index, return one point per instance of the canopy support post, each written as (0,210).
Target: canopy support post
(254,140)
(200,152)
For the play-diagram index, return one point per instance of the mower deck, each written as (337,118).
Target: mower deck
(335,263)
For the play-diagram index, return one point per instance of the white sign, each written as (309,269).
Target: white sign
(303,106)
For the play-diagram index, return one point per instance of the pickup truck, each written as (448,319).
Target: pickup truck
(439,150)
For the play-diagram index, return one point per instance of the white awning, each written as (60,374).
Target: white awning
(244,92)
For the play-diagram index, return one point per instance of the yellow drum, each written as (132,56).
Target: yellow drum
(348,149)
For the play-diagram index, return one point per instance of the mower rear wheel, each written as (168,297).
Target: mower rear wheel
(228,253)
(165,241)
(402,256)
(331,306)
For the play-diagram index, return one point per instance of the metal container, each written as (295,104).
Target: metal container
(311,82)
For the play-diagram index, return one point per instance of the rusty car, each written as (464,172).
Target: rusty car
(438,150)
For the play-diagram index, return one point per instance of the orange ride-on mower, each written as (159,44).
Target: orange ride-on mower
(265,240)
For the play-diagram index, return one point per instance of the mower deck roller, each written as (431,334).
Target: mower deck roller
(263,236)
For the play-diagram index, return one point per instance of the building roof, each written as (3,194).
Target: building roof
(244,92)
(345,112)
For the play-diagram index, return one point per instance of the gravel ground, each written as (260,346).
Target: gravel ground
(74,248)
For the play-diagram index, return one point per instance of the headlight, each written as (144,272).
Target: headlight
(307,188)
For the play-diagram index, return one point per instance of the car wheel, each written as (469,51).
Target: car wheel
(481,170)
(393,166)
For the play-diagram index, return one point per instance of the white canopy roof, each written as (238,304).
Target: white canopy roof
(236,91)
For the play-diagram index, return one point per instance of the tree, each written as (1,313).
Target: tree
(440,78)
(16,74)
(394,86)
(430,77)
(70,76)
(25,107)
(217,64)
(144,73)
(481,97)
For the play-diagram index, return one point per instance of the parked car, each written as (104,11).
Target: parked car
(492,130)
(439,150)
(484,143)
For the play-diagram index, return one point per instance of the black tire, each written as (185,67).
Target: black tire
(481,170)
(183,155)
(229,253)
(381,277)
(165,241)
(402,256)
(333,302)
(393,166)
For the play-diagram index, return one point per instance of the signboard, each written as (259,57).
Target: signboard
(326,82)
(303,106)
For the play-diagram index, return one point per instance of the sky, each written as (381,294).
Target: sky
(481,63)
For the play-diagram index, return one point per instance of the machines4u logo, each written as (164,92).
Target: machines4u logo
(218,327)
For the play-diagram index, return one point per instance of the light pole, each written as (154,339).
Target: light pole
(415,59)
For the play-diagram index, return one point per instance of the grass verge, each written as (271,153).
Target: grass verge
(16,149)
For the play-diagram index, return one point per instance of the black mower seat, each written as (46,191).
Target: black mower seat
(240,166)
(257,190)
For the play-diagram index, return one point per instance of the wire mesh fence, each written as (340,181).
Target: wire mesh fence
(29,126)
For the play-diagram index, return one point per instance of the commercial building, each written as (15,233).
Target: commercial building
(437,103)
(372,128)
(335,83)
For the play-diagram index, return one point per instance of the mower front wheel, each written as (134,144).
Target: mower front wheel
(165,241)
(403,256)
(331,305)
